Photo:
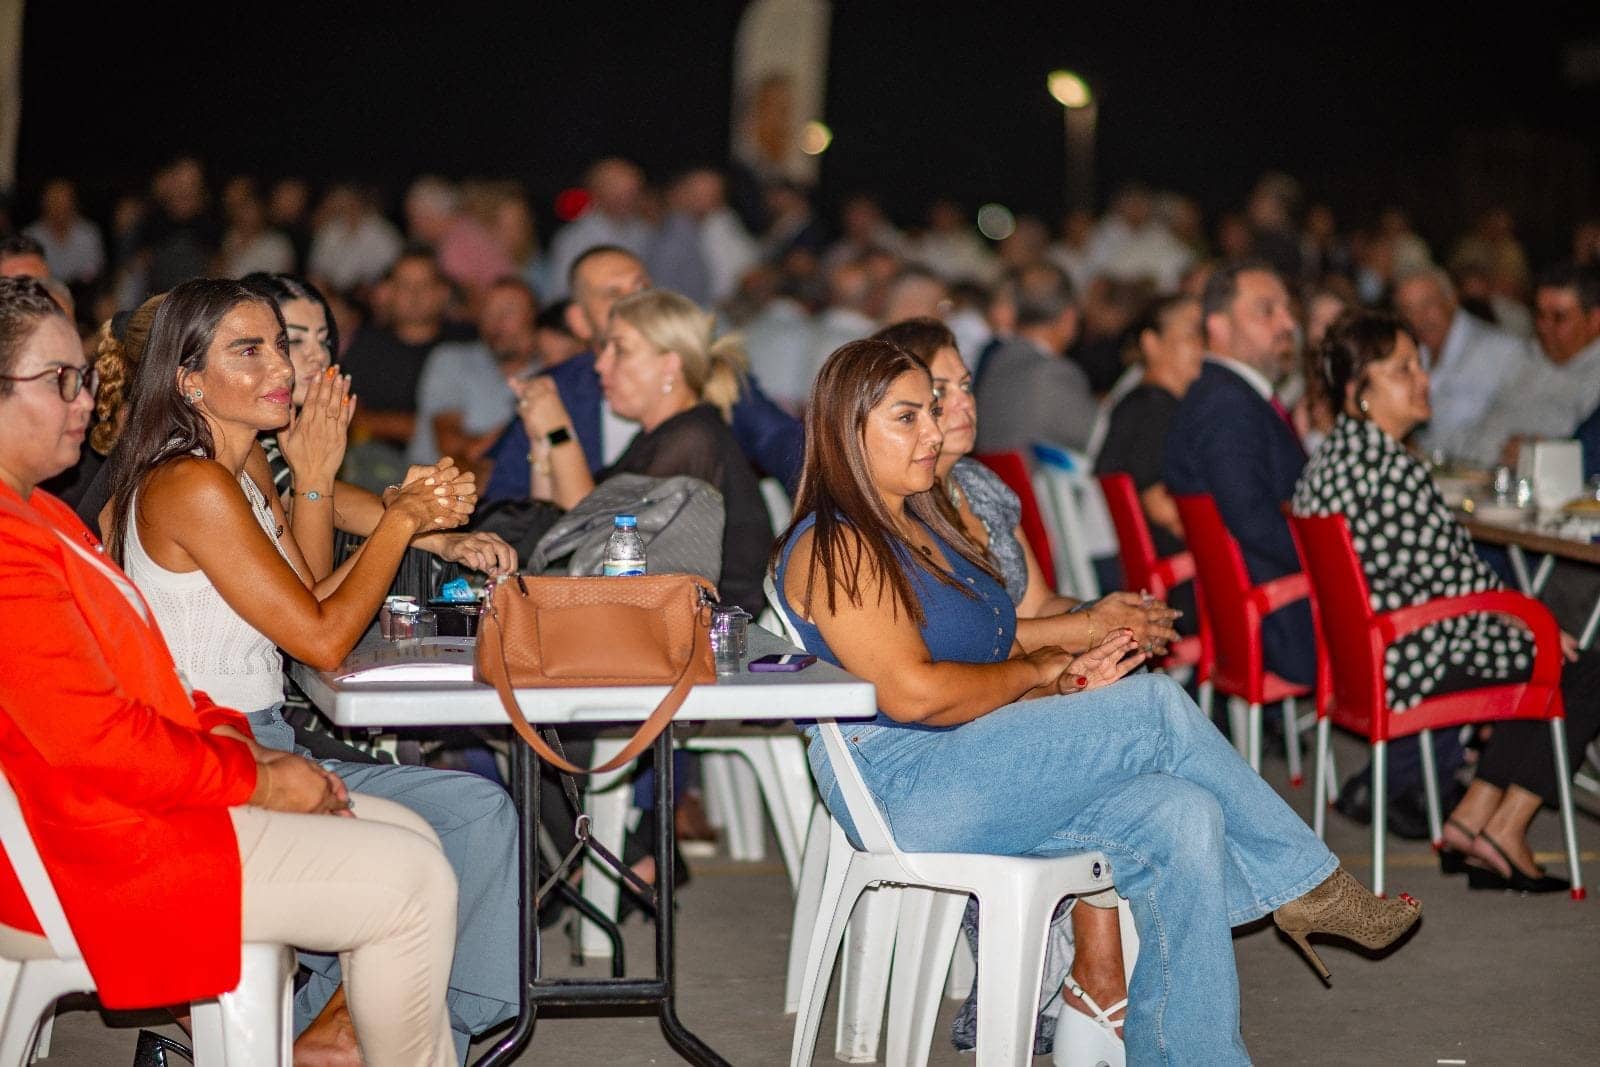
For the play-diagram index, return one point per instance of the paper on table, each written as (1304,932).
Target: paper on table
(432,659)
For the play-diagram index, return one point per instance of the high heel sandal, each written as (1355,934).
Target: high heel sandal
(152,1049)
(1088,1040)
(1517,881)
(1343,907)
(1453,860)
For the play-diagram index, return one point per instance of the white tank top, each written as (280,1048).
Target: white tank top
(216,651)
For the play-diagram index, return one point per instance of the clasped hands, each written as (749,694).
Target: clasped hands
(1061,671)
(1150,620)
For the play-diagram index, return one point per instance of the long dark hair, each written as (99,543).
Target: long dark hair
(161,425)
(836,486)
(280,288)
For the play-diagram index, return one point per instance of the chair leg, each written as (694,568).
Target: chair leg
(1319,789)
(1239,727)
(963,971)
(1207,699)
(607,805)
(808,897)
(747,812)
(1254,727)
(1011,947)
(1291,743)
(864,973)
(1380,812)
(840,887)
(933,919)
(37,987)
(252,1026)
(1569,826)
(1430,788)
(47,1029)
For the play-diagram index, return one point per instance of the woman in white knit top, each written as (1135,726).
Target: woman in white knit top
(205,537)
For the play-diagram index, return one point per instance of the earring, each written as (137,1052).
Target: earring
(666,385)
(1362,404)
(195,394)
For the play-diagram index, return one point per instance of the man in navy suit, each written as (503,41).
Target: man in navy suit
(770,437)
(1232,438)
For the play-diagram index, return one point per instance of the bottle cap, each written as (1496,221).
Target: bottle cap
(627,521)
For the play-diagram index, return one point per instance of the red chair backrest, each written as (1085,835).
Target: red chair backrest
(1341,606)
(1224,589)
(1013,470)
(1134,542)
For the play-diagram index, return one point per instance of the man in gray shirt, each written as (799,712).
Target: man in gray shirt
(463,399)
(1029,390)
(1562,385)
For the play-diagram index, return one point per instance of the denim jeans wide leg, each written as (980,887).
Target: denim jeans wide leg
(1198,842)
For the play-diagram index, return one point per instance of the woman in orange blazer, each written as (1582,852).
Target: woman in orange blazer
(169,835)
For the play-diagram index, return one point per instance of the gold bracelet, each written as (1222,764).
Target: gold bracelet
(1089,614)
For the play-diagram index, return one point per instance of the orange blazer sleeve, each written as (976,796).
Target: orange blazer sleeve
(62,693)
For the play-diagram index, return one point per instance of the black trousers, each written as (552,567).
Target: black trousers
(1520,753)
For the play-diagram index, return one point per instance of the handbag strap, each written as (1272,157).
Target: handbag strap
(642,738)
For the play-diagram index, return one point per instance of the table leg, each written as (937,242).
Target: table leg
(1542,575)
(678,1036)
(525,792)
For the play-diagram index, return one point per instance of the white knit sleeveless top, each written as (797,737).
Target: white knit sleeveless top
(215,649)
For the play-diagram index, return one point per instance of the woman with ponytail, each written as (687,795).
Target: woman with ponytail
(660,366)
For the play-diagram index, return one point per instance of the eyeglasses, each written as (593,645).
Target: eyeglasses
(70,381)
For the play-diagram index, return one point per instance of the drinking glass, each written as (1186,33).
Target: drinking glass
(730,635)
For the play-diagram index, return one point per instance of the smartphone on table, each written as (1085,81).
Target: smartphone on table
(780,661)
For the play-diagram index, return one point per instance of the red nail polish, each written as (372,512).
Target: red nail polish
(1081,681)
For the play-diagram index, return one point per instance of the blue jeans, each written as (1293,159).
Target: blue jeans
(1198,842)
(477,827)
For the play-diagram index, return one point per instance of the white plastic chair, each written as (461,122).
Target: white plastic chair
(248,1027)
(747,770)
(1080,525)
(1016,897)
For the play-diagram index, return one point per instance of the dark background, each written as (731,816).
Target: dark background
(1367,103)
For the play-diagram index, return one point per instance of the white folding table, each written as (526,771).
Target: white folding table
(819,691)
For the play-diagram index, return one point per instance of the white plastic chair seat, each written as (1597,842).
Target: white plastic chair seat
(1016,898)
(252,1026)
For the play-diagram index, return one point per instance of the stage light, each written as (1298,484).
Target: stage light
(815,138)
(1068,89)
(996,222)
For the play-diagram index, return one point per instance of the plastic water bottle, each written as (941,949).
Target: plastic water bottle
(625,549)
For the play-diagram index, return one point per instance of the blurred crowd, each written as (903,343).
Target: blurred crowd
(794,283)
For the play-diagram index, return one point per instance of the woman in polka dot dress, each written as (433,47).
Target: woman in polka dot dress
(1413,550)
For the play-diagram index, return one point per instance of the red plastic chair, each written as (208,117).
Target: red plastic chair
(1143,569)
(1013,470)
(1234,609)
(1355,697)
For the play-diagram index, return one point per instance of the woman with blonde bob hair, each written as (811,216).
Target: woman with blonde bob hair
(661,366)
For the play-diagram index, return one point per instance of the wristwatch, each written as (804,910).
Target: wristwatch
(558,436)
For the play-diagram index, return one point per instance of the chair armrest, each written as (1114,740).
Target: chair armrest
(1393,625)
(1174,570)
(1280,592)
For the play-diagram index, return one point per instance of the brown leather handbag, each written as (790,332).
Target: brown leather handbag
(567,632)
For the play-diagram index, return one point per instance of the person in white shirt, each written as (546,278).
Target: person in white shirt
(951,248)
(1562,386)
(249,246)
(616,194)
(72,244)
(1469,362)
(354,245)
(1131,243)
(463,399)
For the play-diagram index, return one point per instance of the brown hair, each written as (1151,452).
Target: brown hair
(1356,340)
(24,303)
(923,337)
(117,353)
(853,527)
